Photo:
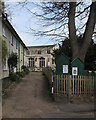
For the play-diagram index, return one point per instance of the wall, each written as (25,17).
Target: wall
(0,48)
(33,53)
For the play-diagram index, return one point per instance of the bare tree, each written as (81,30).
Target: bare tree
(62,20)
(68,19)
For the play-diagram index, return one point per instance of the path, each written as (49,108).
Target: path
(30,99)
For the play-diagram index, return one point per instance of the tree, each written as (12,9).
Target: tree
(90,58)
(69,19)
(62,20)
(12,61)
(65,48)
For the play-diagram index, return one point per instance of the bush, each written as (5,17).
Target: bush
(14,77)
(21,74)
(25,69)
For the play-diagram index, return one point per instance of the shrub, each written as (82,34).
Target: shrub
(20,74)
(25,69)
(14,76)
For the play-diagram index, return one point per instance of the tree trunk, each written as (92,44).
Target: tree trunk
(80,51)
(72,30)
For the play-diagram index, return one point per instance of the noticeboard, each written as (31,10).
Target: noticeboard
(74,71)
(65,68)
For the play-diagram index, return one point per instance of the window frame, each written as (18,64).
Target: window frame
(16,44)
(41,62)
(31,62)
(12,40)
(48,52)
(39,51)
(4,31)
(4,64)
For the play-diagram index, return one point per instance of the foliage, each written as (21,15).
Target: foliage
(14,77)
(25,69)
(12,61)
(90,58)
(21,74)
(4,50)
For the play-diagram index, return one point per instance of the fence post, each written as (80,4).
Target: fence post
(69,88)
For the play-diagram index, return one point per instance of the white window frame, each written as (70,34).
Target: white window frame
(4,31)
(12,40)
(42,62)
(31,62)
(16,44)
(5,64)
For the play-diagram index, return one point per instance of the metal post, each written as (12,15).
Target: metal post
(52,90)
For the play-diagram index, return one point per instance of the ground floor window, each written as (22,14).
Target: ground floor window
(42,62)
(31,62)
(5,64)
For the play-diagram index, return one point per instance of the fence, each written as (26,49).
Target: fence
(69,85)
(74,85)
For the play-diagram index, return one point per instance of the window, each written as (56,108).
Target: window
(48,59)
(4,64)
(42,62)
(35,59)
(52,61)
(16,44)
(4,32)
(48,51)
(11,40)
(31,62)
(39,52)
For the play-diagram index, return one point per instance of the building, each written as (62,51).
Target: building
(40,56)
(13,43)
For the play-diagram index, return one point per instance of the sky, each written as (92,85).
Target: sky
(23,20)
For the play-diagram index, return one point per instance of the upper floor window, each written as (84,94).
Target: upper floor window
(48,51)
(16,44)
(12,40)
(4,31)
(39,52)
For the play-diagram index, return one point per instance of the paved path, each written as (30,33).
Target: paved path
(30,99)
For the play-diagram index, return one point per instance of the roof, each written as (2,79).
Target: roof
(63,55)
(5,20)
(41,46)
(77,58)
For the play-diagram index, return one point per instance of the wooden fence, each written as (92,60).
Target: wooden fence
(69,85)
(74,85)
